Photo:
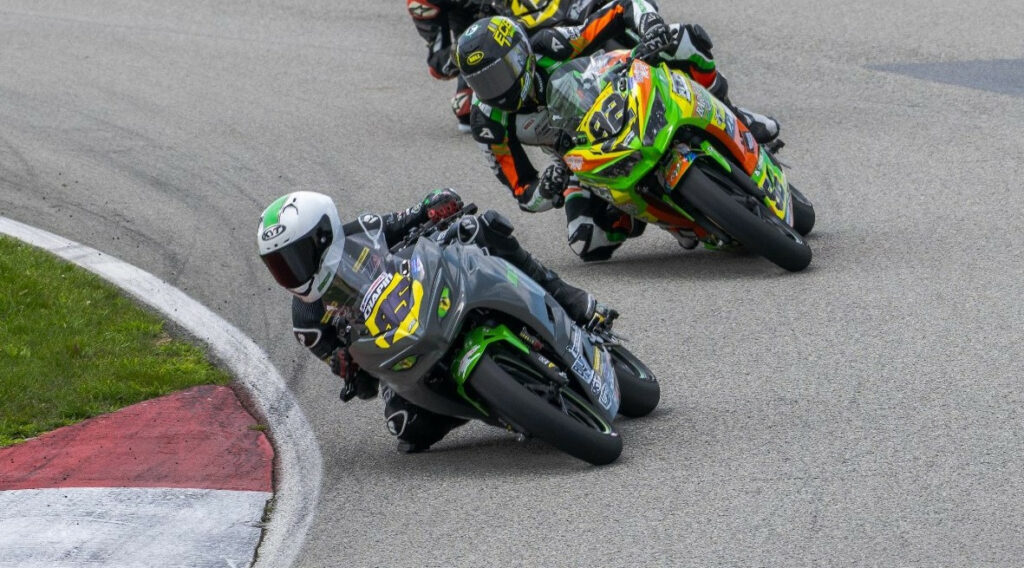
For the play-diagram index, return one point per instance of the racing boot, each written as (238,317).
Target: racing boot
(415,428)
(763,128)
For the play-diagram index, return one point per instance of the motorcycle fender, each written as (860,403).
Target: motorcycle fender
(771,179)
(677,165)
(766,182)
(473,349)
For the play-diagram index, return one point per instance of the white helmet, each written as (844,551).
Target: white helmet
(300,240)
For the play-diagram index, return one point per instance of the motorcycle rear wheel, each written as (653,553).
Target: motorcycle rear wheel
(639,391)
(757,228)
(519,394)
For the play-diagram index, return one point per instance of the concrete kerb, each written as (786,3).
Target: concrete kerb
(300,465)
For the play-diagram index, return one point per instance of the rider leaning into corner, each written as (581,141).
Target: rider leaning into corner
(300,240)
(508,68)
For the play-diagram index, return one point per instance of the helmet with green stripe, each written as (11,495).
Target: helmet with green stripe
(300,241)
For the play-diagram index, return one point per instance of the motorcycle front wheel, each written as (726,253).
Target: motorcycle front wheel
(559,416)
(639,391)
(803,212)
(748,221)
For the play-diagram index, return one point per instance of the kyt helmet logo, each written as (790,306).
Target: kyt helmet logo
(272,232)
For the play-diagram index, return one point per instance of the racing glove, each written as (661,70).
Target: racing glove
(553,182)
(655,36)
(441,65)
(355,382)
(442,203)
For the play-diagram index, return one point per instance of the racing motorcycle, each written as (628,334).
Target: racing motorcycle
(658,146)
(465,334)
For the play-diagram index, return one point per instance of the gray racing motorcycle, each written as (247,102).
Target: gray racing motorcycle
(465,334)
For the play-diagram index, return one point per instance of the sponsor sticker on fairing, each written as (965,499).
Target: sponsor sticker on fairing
(703,105)
(583,371)
(376,289)
(748,140)
(417,268)
(576,343)
(606,397)
(680,87)
(730,125)
(641,73)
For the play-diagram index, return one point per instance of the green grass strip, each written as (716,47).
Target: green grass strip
(72,347)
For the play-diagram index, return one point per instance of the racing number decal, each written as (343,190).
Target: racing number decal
(775,193)
(609,119)
(771,187)
(395,313)
(393,306)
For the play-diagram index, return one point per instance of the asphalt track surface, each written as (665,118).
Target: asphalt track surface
(866,411)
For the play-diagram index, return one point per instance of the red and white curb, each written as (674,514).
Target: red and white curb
(181,480)
(78,515)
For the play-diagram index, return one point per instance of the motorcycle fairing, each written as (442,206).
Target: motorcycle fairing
(394,314)
(593,367)
(473,280)
(619,143)
(619,148)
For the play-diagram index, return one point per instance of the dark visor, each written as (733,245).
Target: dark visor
(497,78)
(295,264)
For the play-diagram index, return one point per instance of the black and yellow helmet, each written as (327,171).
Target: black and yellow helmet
(495,59)
(531,13)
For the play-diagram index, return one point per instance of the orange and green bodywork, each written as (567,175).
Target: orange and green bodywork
(630,131)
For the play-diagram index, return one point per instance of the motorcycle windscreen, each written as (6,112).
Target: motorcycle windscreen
(364,259)
(576,85)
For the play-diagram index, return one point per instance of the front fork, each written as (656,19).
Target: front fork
(480,339)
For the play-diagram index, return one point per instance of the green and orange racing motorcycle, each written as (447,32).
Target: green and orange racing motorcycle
(658,146)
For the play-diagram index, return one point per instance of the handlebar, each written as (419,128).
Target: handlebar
(431,227)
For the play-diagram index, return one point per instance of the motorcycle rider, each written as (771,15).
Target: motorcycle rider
(509,69)
(440,22)
(300,240)
(537,14)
